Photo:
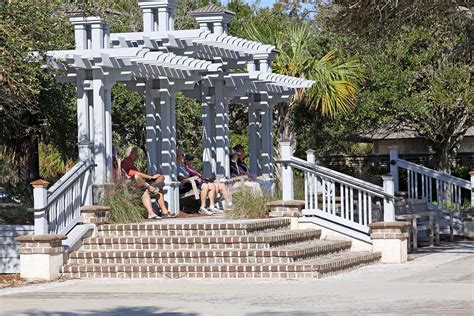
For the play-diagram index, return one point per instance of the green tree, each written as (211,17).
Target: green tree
(335,80)
(420,75)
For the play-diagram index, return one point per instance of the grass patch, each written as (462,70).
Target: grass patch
(247,205)
(126,206)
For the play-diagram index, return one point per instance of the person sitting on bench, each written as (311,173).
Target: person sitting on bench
(153,184)
(239,171)
(185,186)
(218,187)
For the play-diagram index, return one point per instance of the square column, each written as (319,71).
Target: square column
(153,144)
(167,111)
(267,137)
(108,133)
(254,136)
(83,119)
(208,143)
(222,131)
(99,151)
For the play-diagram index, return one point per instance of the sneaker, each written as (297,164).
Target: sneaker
(215,210)
(227,205)
(203,211)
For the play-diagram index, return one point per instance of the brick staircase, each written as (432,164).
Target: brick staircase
(210,248)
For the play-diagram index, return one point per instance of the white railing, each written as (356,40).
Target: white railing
(339,198)
(58,209)
(439,189)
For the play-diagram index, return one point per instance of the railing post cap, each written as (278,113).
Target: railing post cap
(471,173)
(393,147)
(309,151)
(387,176)
(40,183)
(285,142)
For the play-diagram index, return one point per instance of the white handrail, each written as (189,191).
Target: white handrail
(57,210)
(434,174)
(441,190)
(343,200)
(344,178)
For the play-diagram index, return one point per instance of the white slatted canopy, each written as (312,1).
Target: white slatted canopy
(160,62)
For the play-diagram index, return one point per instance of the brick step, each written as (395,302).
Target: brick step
(175,227)
(283,254)
(258,241)
(306,269)
(184,233)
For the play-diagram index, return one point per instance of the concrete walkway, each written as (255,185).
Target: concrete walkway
(439,281)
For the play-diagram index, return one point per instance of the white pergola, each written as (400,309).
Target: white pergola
(160,62)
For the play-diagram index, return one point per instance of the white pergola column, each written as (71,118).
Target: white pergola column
(148,20)
(208,123)
(80,36)
(167,109)
(222,129)
(267,139)
(83,122)
(254,137)
(151,111)
(99,150)
(108,132)
(97,36)
(163,19)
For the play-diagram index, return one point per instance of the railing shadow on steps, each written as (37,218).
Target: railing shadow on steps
(58,209)
(346,203)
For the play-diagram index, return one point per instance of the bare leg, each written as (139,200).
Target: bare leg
(146,200)
(222,191)
(203,194)
(212,195)
(161,202)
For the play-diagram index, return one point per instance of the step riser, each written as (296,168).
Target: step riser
(278,239)
(206,275)
(204,260)
(170,233)
(246,246)
(283,272)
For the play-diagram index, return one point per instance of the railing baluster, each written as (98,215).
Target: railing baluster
(359,211)
(352,203)
(415,174)
(369,215)
(409,183)
(342,201)
(324,194)
(431,189)
(346,207)
(364,217)
(333,197)
(306,190)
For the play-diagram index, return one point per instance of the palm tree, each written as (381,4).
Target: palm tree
(335,80)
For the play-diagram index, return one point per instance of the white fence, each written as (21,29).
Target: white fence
(339,198)
(9,256)
(58,209)
(439,189)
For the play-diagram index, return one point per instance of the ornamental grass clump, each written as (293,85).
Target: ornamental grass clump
(247,205)
(125,205)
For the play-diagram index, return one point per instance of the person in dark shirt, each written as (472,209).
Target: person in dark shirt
(243,169)
(206,191)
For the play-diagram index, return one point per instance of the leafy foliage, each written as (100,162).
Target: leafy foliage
(247,205)
(125,206)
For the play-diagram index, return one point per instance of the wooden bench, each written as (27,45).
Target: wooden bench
(420,217)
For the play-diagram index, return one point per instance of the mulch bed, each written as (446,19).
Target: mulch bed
(14,280)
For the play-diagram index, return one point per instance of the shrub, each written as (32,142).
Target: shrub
(247,205)
(126,207)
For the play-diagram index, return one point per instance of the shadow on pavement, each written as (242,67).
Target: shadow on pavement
(122,311)
(465,247)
